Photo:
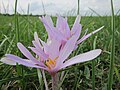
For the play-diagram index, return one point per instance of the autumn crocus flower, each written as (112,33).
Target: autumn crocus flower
(49,56)
(52,55)
(62,30)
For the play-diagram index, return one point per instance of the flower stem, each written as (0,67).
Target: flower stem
(55,82)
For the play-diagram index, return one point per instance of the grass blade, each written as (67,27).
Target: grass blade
(78,11)
(110,81)
(93,66)
(16,22)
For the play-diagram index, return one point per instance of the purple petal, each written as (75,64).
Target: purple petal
(78,31)
(39,53)
(59,36)
(66,51)
(63,26)
(76,35)
(82,58)
(45,46)
(36,45)
(47,27)
(22,61)
(74,28)
(37,40)
(8,61)
(52,32)
(67,29)
(49,20)
(59,23)
(52,48)
(26,52)
(88,35)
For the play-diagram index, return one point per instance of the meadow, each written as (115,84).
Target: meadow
(77,77)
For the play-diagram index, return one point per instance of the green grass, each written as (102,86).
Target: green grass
(78,77)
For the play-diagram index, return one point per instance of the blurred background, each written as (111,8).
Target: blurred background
(62,7)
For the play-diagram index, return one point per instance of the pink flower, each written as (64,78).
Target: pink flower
(49,56)
(52,55)
(62,30)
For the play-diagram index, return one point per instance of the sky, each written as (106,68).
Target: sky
(62,7)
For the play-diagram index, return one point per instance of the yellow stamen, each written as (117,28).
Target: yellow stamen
(55,58)
(51,63)
(68,38)
(48,65)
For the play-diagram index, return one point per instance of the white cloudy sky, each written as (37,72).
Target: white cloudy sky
(63,7)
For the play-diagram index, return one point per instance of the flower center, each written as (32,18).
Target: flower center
(51,63)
